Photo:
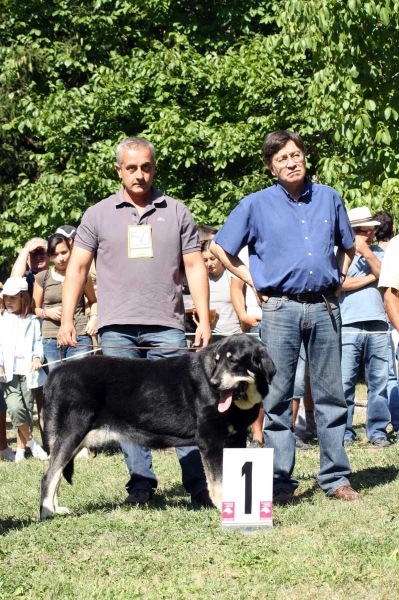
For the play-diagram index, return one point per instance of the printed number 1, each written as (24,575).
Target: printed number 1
(247,472)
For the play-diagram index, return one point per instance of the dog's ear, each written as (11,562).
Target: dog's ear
(264,362)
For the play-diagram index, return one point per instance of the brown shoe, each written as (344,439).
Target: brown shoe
(346,492)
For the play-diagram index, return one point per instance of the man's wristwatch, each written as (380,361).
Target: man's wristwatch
(343,277)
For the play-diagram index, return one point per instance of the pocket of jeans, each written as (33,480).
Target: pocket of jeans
(272,304)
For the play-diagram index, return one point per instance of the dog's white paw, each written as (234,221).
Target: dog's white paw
(62,510)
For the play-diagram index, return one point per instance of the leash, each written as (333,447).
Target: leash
(97,348)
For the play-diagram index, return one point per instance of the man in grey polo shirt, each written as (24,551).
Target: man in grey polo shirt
(143,242)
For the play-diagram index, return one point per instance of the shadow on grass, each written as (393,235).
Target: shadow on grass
(374,476)
(10,524)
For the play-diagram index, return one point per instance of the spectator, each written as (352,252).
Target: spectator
(389,282)
(68,231)
(31,260)
(205,233)
(21,356)
(47,301)
(383,235)
(290,229)
(364,329)
(140,289)
(227,322)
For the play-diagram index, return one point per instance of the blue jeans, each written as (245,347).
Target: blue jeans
(138,458)
(359,342)
(392,386)
(52,351)
(285,325)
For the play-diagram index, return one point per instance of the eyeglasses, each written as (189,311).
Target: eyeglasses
(282,161)
(366,232)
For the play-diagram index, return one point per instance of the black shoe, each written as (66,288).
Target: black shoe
(348,442)
(381,442)
(138,497)
(301,445)
(203,499)
(283,497)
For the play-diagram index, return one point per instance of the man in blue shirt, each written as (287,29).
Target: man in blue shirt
(364,331)
(291,229)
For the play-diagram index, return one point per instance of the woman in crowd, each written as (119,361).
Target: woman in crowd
(47,297)
(227,321)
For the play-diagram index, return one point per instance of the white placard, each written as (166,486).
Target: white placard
(247,502)
(140,241)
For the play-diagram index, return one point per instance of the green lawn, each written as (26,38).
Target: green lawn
(320,548)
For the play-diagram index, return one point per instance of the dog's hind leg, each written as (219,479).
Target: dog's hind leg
(62,454)
(50,483)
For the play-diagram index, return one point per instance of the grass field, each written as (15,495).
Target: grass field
(320,548)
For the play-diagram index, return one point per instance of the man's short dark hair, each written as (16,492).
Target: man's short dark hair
(278,139)
(384,231)
(206,232)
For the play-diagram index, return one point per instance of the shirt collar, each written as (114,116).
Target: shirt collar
(157,197)
(306,194)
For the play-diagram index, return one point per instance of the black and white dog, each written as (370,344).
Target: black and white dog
(208,398)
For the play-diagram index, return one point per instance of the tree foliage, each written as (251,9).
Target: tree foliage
(204,82)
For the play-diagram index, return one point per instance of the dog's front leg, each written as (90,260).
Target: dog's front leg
(213,466)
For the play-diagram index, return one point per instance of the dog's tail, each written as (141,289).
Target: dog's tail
(68,471)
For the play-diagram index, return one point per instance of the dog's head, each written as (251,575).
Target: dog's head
(240,369)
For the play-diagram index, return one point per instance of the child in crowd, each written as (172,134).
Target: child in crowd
(21,353)
(227,322)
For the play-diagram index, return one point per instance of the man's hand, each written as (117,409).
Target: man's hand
(361,246)
(91,326)
(34,246)
(67,336)
(260,297)
(202,334)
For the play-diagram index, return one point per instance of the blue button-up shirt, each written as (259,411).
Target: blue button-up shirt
(291,243)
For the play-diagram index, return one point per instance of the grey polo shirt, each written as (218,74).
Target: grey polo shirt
(139,291)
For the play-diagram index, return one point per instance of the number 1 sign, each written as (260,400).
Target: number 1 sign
(247,489)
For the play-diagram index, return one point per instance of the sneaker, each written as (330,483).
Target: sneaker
(348,442)
(203,499)
(7,454)
(381,442)
(37,450)
(301,445)
(138,497)
(255,444)
(283,497)
(20,455)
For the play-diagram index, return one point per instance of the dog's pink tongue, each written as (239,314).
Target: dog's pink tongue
(225,401)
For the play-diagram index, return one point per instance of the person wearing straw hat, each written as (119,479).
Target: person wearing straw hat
(364,332)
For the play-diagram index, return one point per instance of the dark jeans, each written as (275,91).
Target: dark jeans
(138,458)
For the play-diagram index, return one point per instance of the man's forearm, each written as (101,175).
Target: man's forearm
(72,291)
(344,259)
(232,263)
(198,284)
(391,301)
